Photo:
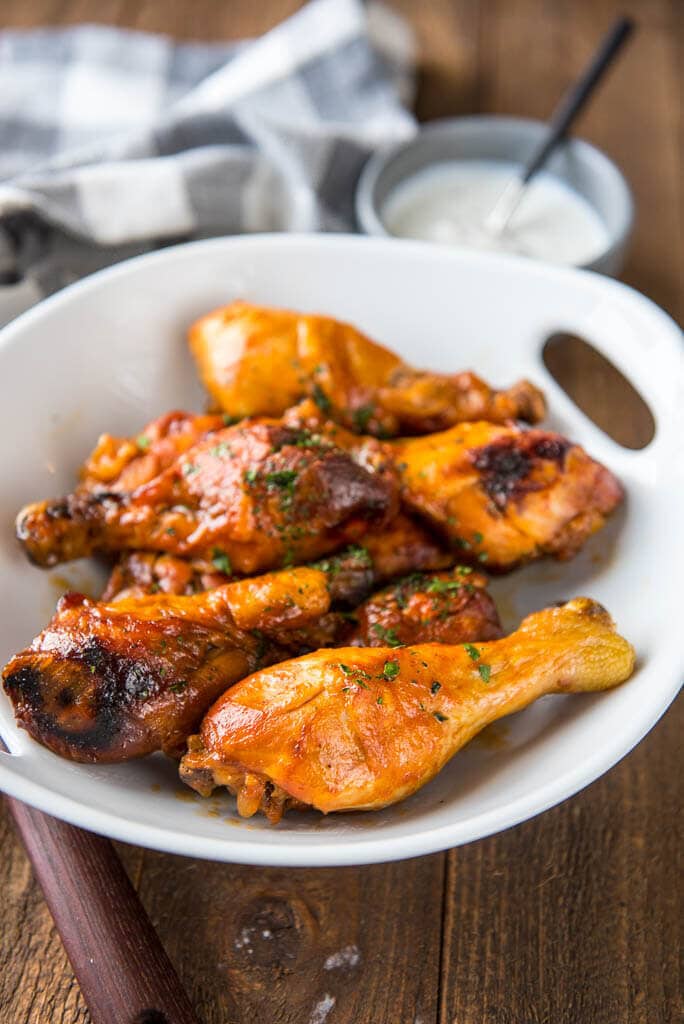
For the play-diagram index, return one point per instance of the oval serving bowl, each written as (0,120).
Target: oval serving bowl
(109,353)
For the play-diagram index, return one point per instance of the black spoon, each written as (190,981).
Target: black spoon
(562,118)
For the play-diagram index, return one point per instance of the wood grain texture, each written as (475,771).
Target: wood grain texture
(123,971)
(569,919)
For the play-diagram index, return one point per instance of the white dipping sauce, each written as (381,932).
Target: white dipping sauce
(450,201)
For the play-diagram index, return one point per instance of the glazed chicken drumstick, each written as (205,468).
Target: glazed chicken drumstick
(259,494)
(358,729)
(402,546)
(272,492)
(108,682)
(259,361)
(497,494)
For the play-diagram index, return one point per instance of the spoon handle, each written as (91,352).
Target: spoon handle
(577,95)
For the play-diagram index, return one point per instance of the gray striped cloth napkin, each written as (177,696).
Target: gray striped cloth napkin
(115,142)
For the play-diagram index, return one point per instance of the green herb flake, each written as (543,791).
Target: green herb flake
(360,553)
(220,561)
(320,398)
(142,441)
(346,669)
(388,636)
(435,687)
(230,421)
(471,651)
(361,417)
(171,531)
(250,475)
(485,672)
(478,537)
(390,670)
(440,717)
(380,700)
(189,468)
(179,686)
(463,570)
(219,450)
(282,478)
(436,586)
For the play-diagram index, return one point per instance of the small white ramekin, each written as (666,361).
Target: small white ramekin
(577,163)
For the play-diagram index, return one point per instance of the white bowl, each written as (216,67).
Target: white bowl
(576,163)
(109,353)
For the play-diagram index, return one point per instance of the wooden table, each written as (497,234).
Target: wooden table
(571,917)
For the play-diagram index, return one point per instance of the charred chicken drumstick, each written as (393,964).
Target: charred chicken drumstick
(108,682)
(267,492)
(260,494)
(259,361)
(361,728)
(498,495)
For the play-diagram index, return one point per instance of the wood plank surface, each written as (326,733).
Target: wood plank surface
(567,919)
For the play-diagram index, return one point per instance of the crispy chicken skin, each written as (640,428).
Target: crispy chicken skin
(506,496)
(108,682)
(139,573)
(401,547)
(254,360)
(123,463)
(497,494)
(260,494)
(446,608)
(361,728)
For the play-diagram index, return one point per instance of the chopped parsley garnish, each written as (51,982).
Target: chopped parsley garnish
(220,561)
(388,636)
(478,537)
(171,531)
(435,687)
(229,420)
(282,478)
(360,553)
(179,686)
(390,670)
(250,475)
(320,398)
(305,439)
(485,672)
(463,570)
(471,651)
(436,586)
(379,700)
(189,468)
(219,450)
(142,441)
(362,416)
(346,669)
(440,717)
(483,556)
